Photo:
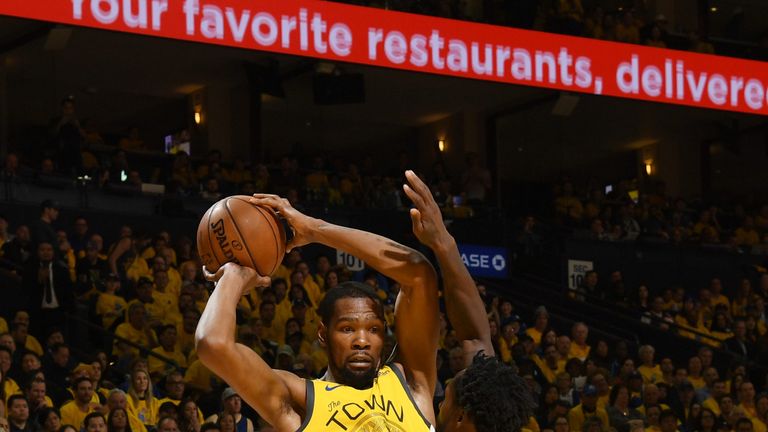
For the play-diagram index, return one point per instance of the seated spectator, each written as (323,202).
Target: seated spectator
(746,234)
(690,323)
(656,38)
(587,409)
(125,258)
(48,419)
(741,299)
(132,141)
(182,174)
(26,340)
(117,173)
(668,421)
(699,44)
(652,414)
(211,191)
(211,167)
(746,393)
(261,182)
(18,414)
(707,226)
(568,206)
(650,371)
(593,23)
(232,405)
(109,305)
(91,270)
(95,422)
(579,348)
(619,412)
(190,417)
(238,174)
(135,330)
(168,349)
(117,420)
(18,250)
(570,15)
(118,400)
(75,411)
(627,30)
(141,399)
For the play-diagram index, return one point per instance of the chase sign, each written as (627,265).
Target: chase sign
(485,261)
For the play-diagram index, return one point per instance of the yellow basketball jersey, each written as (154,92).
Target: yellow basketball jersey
(385,407)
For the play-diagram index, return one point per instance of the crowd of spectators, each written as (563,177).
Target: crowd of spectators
(148,291)
(631,23)
(732,318)
(628,214)
(119,165)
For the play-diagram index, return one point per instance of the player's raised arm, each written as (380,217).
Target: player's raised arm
(237,364)
(416,310)
(465,308)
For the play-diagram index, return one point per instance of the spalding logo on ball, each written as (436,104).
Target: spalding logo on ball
(234,230)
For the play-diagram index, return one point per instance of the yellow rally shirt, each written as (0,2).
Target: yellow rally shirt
(387,406)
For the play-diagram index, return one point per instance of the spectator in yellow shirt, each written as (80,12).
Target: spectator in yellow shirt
(746,234)
(185,333)
(19,332)
(161,262)
(141,399)
(155,305)
(716,294)
(579,348)
(74,411)
(541,322)
(110,306)
(167,338)
(549,365)
(650,371)
(168,301)
(135,330)
(568,206)
(200,378)
(586,409)
(308,282)
(743,294)
(118,400)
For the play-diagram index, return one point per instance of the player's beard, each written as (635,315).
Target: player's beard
(360,380)
(354,378)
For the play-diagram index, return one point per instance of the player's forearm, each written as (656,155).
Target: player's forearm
(401,263)
(465,308)
(216,329)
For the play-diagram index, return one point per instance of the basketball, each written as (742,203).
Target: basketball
(234,230)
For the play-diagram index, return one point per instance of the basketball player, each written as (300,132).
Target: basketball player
(488,395)
(362,393)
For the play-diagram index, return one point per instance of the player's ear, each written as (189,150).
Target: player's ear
(322,334)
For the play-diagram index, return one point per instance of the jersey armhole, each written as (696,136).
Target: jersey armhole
(309,406)
(407,389)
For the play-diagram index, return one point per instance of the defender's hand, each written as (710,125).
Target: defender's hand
(426,218)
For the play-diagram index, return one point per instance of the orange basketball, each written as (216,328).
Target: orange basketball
(234,230)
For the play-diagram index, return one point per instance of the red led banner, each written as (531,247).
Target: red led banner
(419,43)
